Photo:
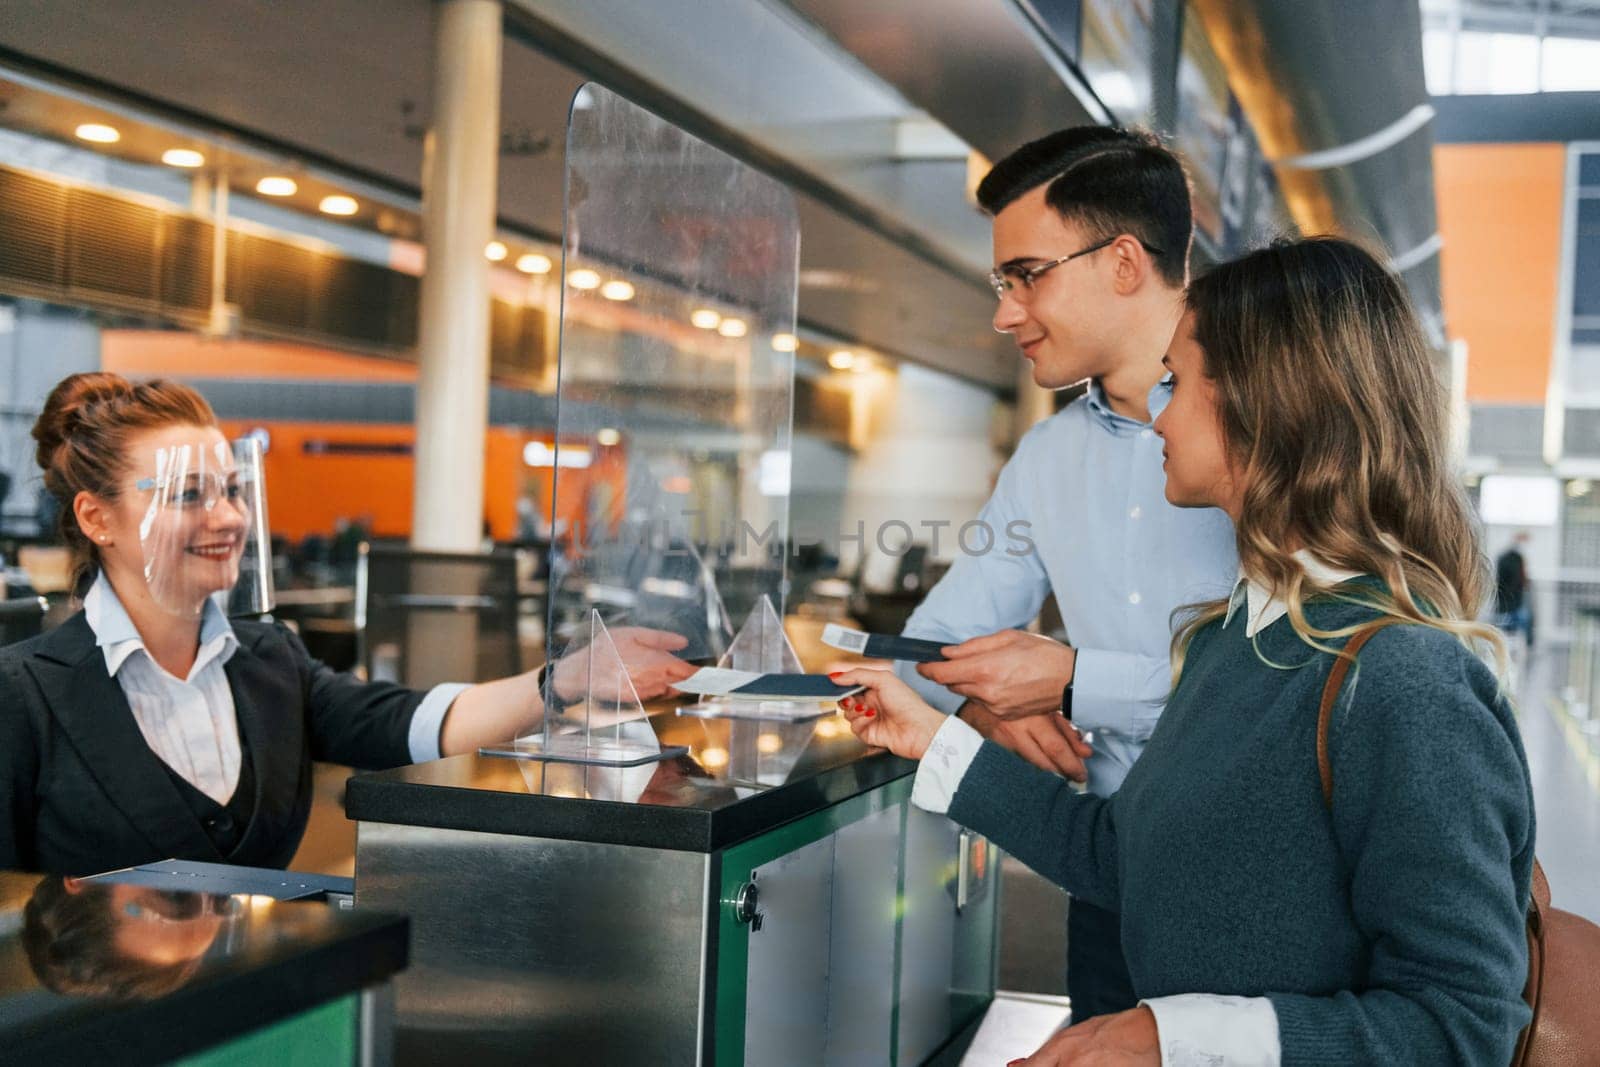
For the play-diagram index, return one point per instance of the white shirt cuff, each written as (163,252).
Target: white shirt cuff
(949,754)
(1203,1030)
(423,737)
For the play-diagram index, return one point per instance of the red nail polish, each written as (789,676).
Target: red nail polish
(870,713)
(835,674)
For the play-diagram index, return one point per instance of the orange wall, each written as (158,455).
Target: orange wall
(1500,209)
(307,492)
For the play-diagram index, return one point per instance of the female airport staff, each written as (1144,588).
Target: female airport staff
(147,725)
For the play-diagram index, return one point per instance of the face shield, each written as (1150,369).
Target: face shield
(203,534)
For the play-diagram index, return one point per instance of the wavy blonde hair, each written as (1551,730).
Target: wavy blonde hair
(1335,422)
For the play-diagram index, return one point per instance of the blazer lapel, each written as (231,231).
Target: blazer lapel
(93,712)
(266,701)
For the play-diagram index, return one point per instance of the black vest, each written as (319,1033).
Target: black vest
(224,824)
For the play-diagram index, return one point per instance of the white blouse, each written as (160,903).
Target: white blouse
(190,723)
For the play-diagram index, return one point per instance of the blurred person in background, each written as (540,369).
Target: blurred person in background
(1513,612)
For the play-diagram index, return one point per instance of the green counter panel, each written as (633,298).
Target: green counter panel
(322,1037)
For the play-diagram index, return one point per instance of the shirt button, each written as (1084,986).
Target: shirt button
(1133,598)
(1136,512)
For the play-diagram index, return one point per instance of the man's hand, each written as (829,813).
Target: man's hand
(1013,674)
(1126,1039)
(1047,741)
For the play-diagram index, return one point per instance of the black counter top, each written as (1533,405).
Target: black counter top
(129,974)
(739,780)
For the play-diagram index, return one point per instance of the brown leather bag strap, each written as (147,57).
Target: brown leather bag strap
(1330,697)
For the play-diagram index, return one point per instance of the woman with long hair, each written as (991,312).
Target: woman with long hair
(1264,923)
(150,726)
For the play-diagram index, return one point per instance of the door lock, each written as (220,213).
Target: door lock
(745,903)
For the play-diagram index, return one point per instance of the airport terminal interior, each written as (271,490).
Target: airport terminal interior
(602,345)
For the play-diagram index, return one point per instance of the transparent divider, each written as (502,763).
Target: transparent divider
(674,399)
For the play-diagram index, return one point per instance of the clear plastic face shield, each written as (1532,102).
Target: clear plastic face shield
(203,534)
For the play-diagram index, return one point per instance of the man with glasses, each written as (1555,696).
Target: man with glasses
(1091,236)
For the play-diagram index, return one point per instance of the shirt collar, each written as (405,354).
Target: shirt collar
(1100,407)
(1262,609)
(118,638)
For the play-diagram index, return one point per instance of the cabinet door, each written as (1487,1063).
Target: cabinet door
(786,993)
(866,876)
(927,934)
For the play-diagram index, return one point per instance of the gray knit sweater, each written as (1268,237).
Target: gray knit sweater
(1387,932)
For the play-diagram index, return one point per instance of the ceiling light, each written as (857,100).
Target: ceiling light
(98,132)
(534,263)
(732,328)
(705,318)
(608,438)
(583,278)
(339,205)
(862,364)
(496,251)
(277,186)
(187,158)
(843,359)
(617,290)
(785,342)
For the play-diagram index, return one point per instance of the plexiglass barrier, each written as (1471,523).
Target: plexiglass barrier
(675,393)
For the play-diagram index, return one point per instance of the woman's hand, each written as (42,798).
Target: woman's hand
(645,655)
(1126,1039)
(889,714)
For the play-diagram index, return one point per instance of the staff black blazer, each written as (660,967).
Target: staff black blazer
(81,792)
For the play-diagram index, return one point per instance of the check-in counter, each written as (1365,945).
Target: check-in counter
(787,905)
(134,973)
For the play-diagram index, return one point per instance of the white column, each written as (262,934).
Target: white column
(460,165)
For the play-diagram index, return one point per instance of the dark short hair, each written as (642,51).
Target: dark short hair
(1107,180)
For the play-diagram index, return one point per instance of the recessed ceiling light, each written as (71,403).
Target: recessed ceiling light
(338,205)
(98,132)
(843,359)
(583,278)
(496,251)
(705,318)
(731,327)
(187,158)
(616,289)
(785,342)
(608,437)
(277,185)
(534,263)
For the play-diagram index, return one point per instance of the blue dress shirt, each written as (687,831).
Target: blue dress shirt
(1088,485)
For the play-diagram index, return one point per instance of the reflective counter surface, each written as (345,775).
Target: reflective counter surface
(97,972)
(740,778)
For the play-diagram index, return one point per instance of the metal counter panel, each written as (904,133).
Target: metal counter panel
(786,998)
(507,969)
(927,935)
(861,1000)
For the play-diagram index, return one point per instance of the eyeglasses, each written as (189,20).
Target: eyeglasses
(1014,277)
(195,491)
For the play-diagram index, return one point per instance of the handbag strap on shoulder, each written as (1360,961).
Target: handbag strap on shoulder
(1330,697)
